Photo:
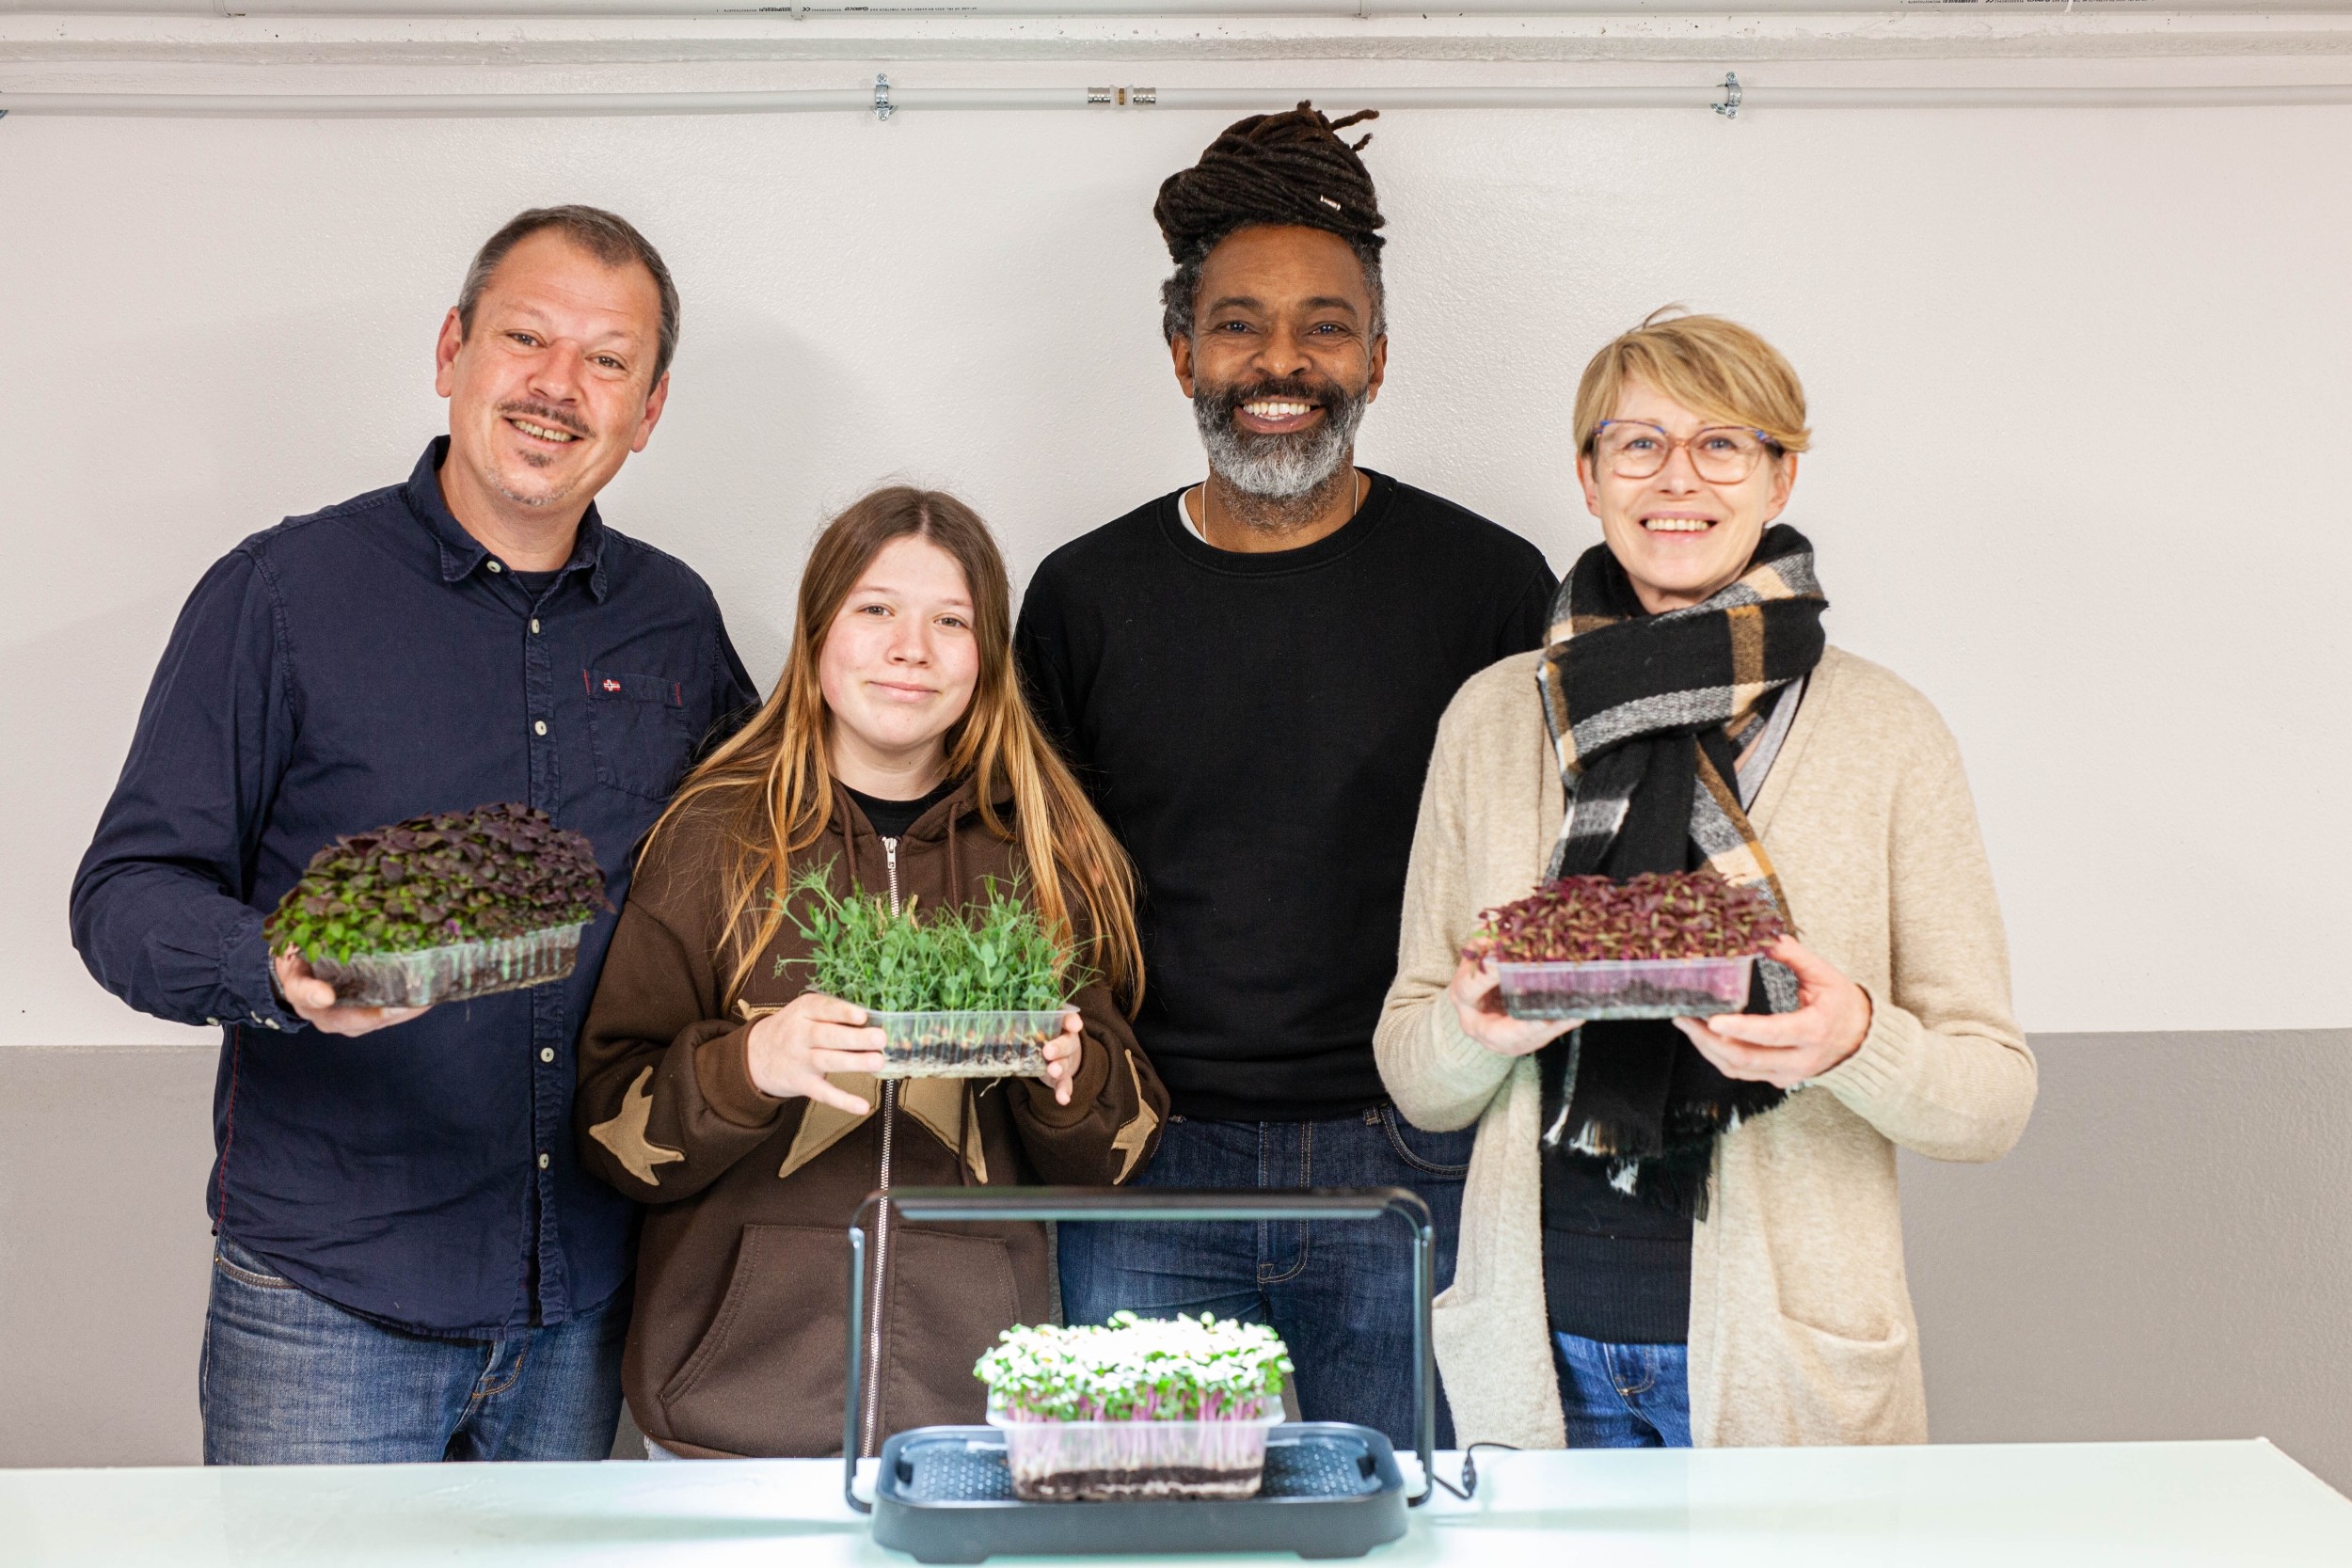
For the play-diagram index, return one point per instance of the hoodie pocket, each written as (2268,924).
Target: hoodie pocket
(950,1294)
(768,1376)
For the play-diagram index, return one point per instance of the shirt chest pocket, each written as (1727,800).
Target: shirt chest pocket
(640,731)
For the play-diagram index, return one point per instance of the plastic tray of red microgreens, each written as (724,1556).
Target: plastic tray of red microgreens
(1663,944)
(443,908)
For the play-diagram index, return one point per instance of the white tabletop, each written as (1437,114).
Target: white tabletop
(2079,1505)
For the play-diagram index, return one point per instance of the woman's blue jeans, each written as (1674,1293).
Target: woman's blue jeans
(1623,1395)
(288,1378)
(1339,1292)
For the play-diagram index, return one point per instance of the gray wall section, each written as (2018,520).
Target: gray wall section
(103,1252)
(106,1254)
(2169,1253)
(2166,1253)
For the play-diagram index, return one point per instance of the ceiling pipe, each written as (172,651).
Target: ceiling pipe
(1236,10)
(885,100)
(1726,98)
(2218,96)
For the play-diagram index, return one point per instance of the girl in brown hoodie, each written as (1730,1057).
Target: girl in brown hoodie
(741,1109)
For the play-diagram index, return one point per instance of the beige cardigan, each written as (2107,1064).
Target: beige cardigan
(1801,1322)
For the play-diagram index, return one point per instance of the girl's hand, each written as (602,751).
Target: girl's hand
(1061,1056)
(792,1049)
(1785,1048)
(1476,1002)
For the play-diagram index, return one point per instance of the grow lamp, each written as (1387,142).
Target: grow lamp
(1332,1489)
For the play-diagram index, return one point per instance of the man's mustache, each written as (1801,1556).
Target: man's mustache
(540,413)
(1291,389)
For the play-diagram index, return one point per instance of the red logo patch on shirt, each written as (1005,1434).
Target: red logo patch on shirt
(612,685)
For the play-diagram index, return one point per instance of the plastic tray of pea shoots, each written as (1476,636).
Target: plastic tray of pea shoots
(1662,945)
(970,992)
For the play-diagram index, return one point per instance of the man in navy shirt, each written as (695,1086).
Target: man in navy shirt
(409,1262)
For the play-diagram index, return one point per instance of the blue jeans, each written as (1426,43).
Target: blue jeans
(1339,1292)
(1623,1395)
(290,1379)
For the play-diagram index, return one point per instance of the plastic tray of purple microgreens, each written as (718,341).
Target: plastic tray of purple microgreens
(1662,945)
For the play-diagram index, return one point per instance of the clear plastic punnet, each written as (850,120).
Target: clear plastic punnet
(1098,1461)
(966,1044)
(1625,988)
(457,973)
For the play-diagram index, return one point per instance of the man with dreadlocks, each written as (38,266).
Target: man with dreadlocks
(1249,672)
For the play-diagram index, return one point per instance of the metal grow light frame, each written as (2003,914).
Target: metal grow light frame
(968,1204)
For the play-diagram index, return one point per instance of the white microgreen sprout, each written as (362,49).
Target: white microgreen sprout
(1175,1369)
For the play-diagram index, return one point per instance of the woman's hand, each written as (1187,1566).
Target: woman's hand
(1785,1048)
(1473,993)
(1061,1056)
(792,1049)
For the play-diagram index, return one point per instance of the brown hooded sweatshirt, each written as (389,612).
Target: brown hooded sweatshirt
(738,1342)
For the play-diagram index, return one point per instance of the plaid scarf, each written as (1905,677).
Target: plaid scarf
(1650,714)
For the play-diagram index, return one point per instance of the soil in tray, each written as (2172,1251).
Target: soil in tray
(1669,999)
(1160,1480)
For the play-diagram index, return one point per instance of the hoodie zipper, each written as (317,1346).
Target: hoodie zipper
(881,1219)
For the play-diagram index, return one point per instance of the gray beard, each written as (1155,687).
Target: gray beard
(1277,469)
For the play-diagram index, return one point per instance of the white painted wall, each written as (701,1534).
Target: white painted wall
(2076,377)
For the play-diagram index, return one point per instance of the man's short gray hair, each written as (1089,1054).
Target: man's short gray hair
(609,237)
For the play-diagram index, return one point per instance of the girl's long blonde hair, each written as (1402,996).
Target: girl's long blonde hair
(773,781)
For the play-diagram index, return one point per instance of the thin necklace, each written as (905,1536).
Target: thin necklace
(1200,529)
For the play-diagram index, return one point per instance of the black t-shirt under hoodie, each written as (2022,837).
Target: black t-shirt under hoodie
(1256,729)
(891,818)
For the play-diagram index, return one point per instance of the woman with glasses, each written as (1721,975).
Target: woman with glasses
(1686,1231)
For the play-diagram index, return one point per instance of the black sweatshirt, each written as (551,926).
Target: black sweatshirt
(1255,728)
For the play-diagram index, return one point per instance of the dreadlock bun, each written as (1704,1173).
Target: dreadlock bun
(1282,168)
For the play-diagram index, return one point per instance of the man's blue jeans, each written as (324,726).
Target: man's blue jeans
(1339,1292)
(1623,1395)
(290,1379)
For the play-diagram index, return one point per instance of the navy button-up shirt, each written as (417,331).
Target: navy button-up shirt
(343,671)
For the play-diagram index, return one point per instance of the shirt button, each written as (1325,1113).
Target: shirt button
(534,625)
(538,726)
(269,1024)
(213,1022)
(543,1161)
(496,567)
(546,1053)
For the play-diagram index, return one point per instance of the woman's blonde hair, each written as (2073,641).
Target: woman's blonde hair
(1709,364)
(773,781)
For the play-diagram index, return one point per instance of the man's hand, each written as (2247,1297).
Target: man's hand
(1476,1001)
(1061,1056)
(792,1049)
(1785,1048)
(313,1001)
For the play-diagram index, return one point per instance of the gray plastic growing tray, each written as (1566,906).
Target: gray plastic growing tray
(1331,1489)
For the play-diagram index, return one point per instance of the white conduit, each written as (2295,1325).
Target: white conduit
(885,99)
(476,10)
(1238,10)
